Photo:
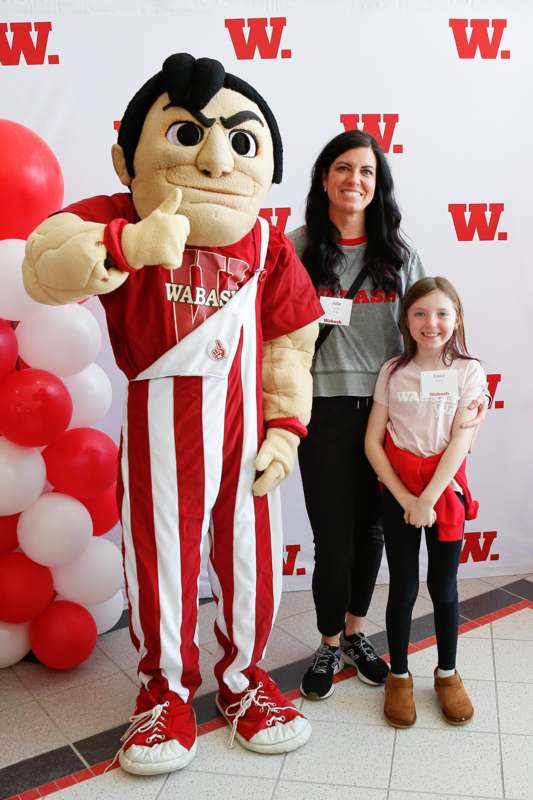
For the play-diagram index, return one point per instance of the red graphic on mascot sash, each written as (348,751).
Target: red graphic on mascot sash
(203,284)
(289,562)
(380,126)
(472,547)
(468,43)
(478,222)
(282,217)
(258,38)
(26,39)
(493,381)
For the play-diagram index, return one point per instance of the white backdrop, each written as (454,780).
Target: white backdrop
(451,86)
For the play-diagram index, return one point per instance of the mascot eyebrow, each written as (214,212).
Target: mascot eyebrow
(227,122)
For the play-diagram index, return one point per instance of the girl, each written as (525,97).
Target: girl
(417,445)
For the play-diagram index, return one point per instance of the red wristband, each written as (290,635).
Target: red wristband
(291,424)
(113,244)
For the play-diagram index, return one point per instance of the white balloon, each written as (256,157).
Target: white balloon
(107,614)
(14,643)
(91,395)
(54,530)
(22,476)
(15,302)
(60,339)
(93,577)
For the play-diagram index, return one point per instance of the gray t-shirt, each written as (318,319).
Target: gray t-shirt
(349,360)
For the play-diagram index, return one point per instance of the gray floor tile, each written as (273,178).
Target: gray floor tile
(282,649)
(12,691)
(188,785)
(333,746)
(88,709)
(515,701)
(352,702)
(514,660)
(118,647)
(295,790)
(426,796)
(114,785)
(517,754)
(26,731)
(38,770)
(474,660)
(498,580)
(303,627)
(214,755)
(295,603)
(446,762)
(515,626)
(42,681)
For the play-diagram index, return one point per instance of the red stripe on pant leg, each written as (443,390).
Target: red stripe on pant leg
(142,527)
(188,441)
(224,508)
(120,498)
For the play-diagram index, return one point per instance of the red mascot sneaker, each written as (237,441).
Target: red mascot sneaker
(161,737)
(262,719)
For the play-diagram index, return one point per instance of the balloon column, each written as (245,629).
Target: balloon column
(60,583)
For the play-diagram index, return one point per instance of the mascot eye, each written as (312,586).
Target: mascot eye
(244,143)
(185,133)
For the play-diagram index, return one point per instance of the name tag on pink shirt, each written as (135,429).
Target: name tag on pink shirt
(337,310)
(438,384)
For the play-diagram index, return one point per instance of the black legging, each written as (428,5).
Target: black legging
(402,545)
(343,504)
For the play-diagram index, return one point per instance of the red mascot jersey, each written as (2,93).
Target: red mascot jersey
(156,307)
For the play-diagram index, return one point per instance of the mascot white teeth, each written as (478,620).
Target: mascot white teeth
(213,319)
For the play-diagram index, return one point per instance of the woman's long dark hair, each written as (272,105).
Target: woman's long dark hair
(386,251)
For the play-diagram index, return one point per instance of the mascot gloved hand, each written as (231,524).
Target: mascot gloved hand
(212,319)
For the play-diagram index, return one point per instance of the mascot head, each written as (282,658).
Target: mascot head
(197,127)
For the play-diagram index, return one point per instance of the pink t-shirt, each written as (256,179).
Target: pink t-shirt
(423,427)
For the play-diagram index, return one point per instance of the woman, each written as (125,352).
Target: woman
(352,224)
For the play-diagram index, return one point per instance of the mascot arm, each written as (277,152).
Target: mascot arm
(65,261)
(68,259)
(287,399)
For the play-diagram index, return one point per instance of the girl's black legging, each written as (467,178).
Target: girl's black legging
(402,545)
(343,504)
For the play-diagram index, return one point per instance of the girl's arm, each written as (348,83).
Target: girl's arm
(375,452)
(450,462)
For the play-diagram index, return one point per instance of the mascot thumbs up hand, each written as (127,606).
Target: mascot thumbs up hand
(158,239)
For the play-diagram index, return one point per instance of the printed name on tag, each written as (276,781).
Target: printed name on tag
(337,310)
(435,384)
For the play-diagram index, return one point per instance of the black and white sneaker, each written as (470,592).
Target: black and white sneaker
(317,683)
(358,651)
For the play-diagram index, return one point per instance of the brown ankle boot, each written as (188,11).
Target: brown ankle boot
(456,705)
(399,708)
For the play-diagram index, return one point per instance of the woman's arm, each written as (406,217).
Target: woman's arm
(375,452)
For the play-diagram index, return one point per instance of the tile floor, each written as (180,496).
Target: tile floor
(76,717)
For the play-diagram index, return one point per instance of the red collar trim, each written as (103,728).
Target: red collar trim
(352,242)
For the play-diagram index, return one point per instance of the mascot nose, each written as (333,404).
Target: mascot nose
(215,157)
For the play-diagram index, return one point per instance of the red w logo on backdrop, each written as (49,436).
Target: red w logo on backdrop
(289,562)
(25,39)
(371,124)
(486,226)
(268,46)
(472,547)
(492,384)
(478,39)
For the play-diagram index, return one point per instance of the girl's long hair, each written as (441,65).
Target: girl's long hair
(455,347)
(386,251)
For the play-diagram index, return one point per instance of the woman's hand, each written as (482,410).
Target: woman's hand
(482,405)
(419,512)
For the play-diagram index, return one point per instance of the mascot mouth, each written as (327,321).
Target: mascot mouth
(238,186)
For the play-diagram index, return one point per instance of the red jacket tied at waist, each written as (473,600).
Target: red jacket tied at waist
(415,472)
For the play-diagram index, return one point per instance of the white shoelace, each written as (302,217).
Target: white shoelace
(141,723)
(259,699)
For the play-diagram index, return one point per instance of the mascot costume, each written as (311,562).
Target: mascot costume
(213,320)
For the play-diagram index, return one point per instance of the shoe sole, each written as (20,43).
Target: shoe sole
(351,663)
(397,724)
(451,721)
(279,747)
(161,768)
(314,695)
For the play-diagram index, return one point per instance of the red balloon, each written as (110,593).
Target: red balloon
(31,183)
(103,509)
(64,635)
(26,588)
(8,348)
(83,462)
(8,533)
(35,407)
